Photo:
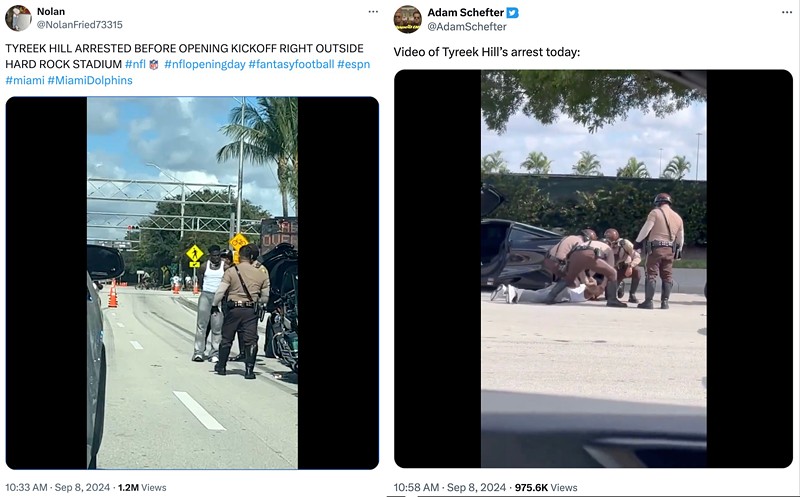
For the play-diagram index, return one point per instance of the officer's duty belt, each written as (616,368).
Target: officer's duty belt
(551,256)
(240,304)
(660,243)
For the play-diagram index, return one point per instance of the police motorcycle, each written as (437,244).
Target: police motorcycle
(281,308)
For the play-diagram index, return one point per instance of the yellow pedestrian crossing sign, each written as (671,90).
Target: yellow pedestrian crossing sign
(194,253)
(238,241)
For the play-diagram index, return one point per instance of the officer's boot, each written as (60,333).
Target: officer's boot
(666,289)
(611,296)
(632,297)
(224,352)
(557,289)
(250,361)
(242,355)
(649,293)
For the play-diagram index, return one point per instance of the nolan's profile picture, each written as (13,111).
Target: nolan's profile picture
(18,18)
(407,19)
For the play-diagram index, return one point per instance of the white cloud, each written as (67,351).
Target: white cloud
(181,136)
(103,165)
(140,126)
(102,118)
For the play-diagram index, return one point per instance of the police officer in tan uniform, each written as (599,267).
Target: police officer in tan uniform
(246,286)
(626,262)
(555,260)
(662,240)
(227,256)
(573,256)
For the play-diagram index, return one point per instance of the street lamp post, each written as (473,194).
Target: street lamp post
(241,173)
(183,192)
(697,160)
(660,152)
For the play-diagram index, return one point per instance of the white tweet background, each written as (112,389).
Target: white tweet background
(610,35)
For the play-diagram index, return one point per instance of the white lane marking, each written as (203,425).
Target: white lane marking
(137,345)
(201,414)
(120,325)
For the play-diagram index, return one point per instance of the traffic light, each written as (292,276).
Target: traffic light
(132,227)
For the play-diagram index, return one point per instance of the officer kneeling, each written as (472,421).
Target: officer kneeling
(245,289)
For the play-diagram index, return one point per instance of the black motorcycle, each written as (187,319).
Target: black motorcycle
(282,324)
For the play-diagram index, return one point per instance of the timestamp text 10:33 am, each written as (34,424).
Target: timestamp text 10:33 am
(84,487)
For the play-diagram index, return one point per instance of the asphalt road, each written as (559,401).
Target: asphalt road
(164,411)
(591,350)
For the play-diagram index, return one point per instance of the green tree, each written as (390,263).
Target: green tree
(164,247)
(270,135)
(619,203)
(494,163)
(537,163)
(633,169)
(587,165)
(677,168)
(590,98)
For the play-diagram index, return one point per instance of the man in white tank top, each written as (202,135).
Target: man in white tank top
(209,277)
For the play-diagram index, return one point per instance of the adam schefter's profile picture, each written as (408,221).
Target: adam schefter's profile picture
(407,19)
(18,18)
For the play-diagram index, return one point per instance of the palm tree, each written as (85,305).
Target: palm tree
(494,163)
(537,163)
(677,168)
(270,135)
(587,165)
(633,169)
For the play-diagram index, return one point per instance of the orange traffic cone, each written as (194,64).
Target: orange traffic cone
(196,290)
(112,296)
(176,289)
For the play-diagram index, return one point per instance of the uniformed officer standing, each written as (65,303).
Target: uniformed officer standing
(626,261)
(575,255)
(662,239)
(227,255)
(245,286)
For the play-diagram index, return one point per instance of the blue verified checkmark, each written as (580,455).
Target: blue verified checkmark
(512,12)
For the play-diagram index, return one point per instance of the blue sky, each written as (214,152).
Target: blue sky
(180,135)
(640,135)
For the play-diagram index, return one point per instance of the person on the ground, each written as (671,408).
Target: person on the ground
(581,293)
(575,258)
